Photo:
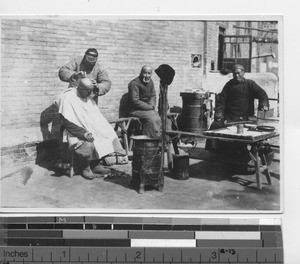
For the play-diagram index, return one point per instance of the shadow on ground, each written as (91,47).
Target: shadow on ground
(211,185)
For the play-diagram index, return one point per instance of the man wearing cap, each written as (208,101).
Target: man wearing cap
(236,103)
(142,100)
(86,66)
(87,131)
(78,68)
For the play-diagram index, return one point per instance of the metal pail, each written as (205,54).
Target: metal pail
(181,167)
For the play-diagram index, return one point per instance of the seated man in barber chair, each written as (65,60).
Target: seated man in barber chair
(236,103)
(87,131)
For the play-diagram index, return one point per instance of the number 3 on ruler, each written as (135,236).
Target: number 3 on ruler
(213,255)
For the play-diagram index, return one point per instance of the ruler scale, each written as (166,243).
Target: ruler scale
(118,240)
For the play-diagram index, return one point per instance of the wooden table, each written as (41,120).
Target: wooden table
(254,139)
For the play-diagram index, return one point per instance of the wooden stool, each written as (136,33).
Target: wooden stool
(123,124)
(72,164)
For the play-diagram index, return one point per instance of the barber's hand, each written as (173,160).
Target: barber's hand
(96,88)
(94,82)
(77,75)
(89,137)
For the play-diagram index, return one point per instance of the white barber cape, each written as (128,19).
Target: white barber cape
(87,115)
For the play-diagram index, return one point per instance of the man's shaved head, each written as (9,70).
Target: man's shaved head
(85,83)
(146,68)
(146,73)
(85,87)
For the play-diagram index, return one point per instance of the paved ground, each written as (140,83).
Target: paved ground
(212,185)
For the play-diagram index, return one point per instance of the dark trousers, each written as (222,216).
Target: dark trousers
(151,122)
(85,153)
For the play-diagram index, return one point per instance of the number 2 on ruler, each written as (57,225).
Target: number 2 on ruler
(138,255)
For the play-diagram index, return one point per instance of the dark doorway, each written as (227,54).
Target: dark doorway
(221,48)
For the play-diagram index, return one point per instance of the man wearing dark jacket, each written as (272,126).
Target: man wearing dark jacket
(142,100)
(236,103)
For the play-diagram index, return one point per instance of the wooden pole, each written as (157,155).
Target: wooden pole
(163,93)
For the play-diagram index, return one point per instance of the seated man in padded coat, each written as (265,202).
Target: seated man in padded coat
(142,100)
(236,103)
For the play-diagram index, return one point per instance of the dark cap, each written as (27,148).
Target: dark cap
(166,73)
(238,66)
(91,55)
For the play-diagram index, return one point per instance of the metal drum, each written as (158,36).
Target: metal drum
(193,112)
(146,163)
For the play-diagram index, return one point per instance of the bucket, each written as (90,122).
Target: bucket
(146,161)
(181,167)
(193,110)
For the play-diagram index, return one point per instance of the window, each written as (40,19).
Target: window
(235,49)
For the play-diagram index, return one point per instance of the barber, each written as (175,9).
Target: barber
(86,66)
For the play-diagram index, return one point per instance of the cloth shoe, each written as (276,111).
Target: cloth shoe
(87,173)
(114,159)
(101,169)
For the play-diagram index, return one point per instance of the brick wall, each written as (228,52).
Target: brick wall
(32,51)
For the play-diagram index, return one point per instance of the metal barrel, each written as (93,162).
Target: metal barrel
(146,160)
(181,167)
(193,112)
